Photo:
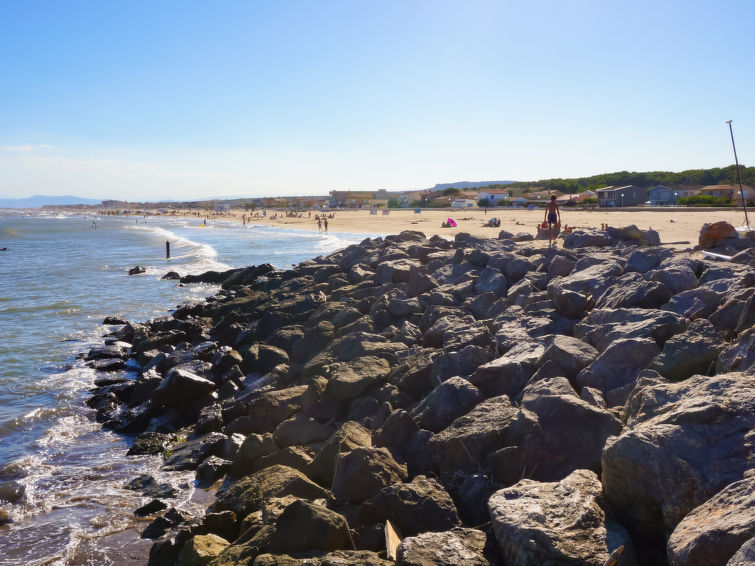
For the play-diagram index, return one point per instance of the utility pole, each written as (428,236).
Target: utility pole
(739,176)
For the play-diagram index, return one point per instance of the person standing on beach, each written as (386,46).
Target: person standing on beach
(553,218)
(325,223)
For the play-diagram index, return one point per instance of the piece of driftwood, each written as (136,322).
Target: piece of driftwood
(613,560)
(392,540)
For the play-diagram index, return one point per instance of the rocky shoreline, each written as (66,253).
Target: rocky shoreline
(482,401)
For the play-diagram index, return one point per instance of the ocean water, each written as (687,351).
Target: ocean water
(61,475)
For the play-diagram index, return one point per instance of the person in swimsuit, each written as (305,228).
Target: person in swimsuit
(553,218)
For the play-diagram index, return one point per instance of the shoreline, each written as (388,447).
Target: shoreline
(678,228)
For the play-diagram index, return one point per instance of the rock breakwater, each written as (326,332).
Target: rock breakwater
(495,403)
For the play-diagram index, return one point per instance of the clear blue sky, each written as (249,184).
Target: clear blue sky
(179,100)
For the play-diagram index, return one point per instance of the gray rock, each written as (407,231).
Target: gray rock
(570,354)
(463,362)
(422,505)
(350,435)
(304,526)
(454,333)
(593,280)
(448,401)
(694,351)
(465,444)
(713,532)
(450,548)
(571,304)
(745,556)
(586,238)
(300,429)
(249,494)
(272,407)
(565,522)
(412,373)
(677,280)
(669,460)
(361,473)
(618,366)
(508,374)
(188,455)
(180,386)
(695,303)
(255,446)
(601,327)
(632,290)
(570,434)
(348,380)
(491,280)
(212,469)
(739,355)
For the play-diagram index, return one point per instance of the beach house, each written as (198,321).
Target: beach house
(661,196)
(494,196)
(728,191)
(628,195)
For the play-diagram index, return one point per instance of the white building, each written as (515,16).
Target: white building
(494,196)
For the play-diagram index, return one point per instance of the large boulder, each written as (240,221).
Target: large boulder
(565,522)
(677,278)
(694,351)
(669,460)
(745,556)
(248,494)
(570,432)
(350,435)
(351,347)
(347,380)
(449,400)
(188,455)
(465,444)
(633,290)
(180,386)
(739,355)
(614,372)
(272,407)
(586,238)
(601,327)
(300,429)
(305,526)
(569,354)
(714,531)
(711,234)
(491,280)
(450,548)
(508,374)
(694,303)
(363,472)
(413,370)
(454,333)
(199,550)
(416,507)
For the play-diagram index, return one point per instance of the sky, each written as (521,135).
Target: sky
(181,100)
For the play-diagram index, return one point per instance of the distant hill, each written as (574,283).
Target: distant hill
(38,201)
(468,185)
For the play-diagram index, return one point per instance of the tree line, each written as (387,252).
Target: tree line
(690,177)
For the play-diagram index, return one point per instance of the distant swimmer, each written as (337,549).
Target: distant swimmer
(3,249)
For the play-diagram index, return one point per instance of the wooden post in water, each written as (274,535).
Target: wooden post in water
(167,250)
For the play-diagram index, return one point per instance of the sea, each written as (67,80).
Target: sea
(62,476)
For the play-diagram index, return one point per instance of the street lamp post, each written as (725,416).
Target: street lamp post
(622,200)
(739,177)
(676,198)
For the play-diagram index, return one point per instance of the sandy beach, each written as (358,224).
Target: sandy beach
(678,228)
